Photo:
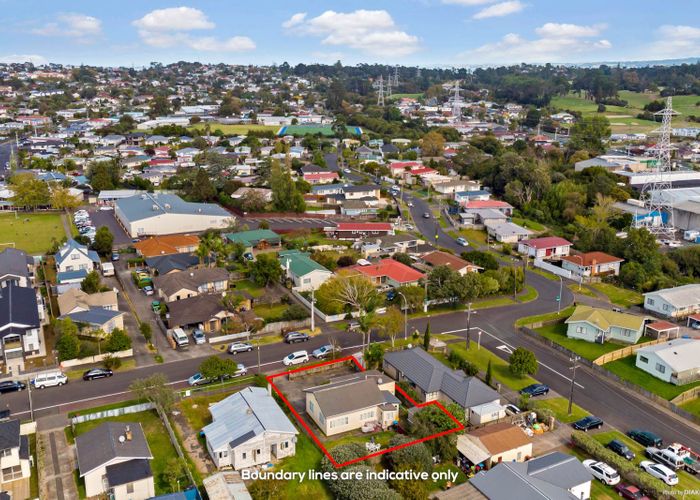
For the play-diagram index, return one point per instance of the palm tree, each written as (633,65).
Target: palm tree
(202,252)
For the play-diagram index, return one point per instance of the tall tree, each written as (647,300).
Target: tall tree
(285,196)
(104,240)
(589,134)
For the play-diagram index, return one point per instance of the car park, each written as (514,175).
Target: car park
(96,373)
(462,241)
(324,351)
(294,337)
(535,390)
(621,449)
(49,379)
(199,337)
(659,472)
(630,492)
(296,358)
(237,347)
(588,423)
(12,386)
(602,472)
(645,438)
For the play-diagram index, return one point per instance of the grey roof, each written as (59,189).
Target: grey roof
(507,228)
(9,434)
(558,469)
(18,306)
(432,376)
(679,354)
(101,445)
(360,189)
(149,205)
(97,316)
(250,412)
(24,447)
(72,245)
(350,394)
(14,262)
(190,280)
(680,296)
(197,309)
(163,264)
(128,472)
(242,439)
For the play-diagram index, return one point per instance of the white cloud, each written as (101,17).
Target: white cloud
(373,32)
(556,43)
(467,2)
(164,28)
(500,9)
(674,41)
(23,58)
(295,20)
(71,25)
(174,19)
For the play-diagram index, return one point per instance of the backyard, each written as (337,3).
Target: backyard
(249,287)
(270,312)
(157,438)
(588,350)
(625,369)
(33,233)
(619,296)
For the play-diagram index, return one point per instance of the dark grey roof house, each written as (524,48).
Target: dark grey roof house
(15,452)
(16,267)
(19,311)
(555,476)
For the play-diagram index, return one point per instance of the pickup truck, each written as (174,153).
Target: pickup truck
(674,456)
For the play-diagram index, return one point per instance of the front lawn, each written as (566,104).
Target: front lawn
(33,233)
(619,296)
(270,312)
(581,290)
(248,286)
(158,441)
(382,438)
(692,406)
(195,409)
(528,320)
(560,408)
(474,236)
(500,368)
(589,350)
(625,369)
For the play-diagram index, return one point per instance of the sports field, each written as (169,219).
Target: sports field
(32,233)
(326,130)
(237,129)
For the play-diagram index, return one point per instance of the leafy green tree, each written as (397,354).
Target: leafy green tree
(375,355)
(155,389)
(266,269)
(160,106)
(415,296)
(481,259)
(68,343)
(104,175)
(285,196)
(146,331)
(215,368)
(91,283)
(174,473)
(431,420)
(202,188)
(433,144)
(410,458)
(118,340)
(62,199)
(29,192)
(104,239)
(522,362)
(589,134)
(489,374)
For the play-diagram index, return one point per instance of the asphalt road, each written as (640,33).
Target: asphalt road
(6,147)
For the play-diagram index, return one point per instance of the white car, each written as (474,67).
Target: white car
(410,204)
(296,358)
(347,170)
(602,472)
(462,241)
(660,472)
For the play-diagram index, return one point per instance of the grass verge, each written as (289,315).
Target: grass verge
(527,320)
(560,408)
(619,296)
(625,369)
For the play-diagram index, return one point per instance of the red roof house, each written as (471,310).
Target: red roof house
(390,272)
(320,177)
(549,247)
(355,230)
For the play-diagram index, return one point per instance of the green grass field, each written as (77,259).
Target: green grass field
(527,320)
(626,369)
(528,224)
(32,233)
(619,296)
(692,406)
(560,408)
(529,295)
(501,371)
(237,129)
(395,97)
(270,312)
(589,350)
(249,287)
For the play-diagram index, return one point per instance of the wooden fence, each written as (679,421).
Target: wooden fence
(624,352)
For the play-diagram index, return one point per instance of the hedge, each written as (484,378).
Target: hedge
(627,470)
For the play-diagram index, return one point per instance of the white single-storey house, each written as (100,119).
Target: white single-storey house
(677,302)
(676,361)
(306,274)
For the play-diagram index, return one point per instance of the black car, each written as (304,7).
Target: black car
(588,423)
(535,390)
(97,373)
(12,386)
(293,337)
(646,438)
(621,449)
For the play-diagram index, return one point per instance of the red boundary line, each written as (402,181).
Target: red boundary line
(459,426)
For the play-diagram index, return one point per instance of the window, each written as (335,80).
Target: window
(129,488)
(367,415)
(311,406)
(243,455)
(643,359)
(579,329)
(666,307)
(338,422)
(660,368)
(75,256)
(12,473)
(285,445)
(223,454)
(6,452)
(650,302)
(307,281)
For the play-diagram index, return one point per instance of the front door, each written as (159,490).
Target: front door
(273,450)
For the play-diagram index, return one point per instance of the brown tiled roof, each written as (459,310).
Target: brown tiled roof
(498,438)
(439,258)
(587,259)
(165,245)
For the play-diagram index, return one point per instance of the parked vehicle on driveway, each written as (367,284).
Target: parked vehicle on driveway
(535,390)
(12,386)
(324,351)
(630,492)
(511,409)
(602,472)
(237,347)
(588,423)
(148,290)
(115,256)
(155,306)
(294,337)
(660,472)
(199,337)
(645,438)
(96,373)
(180,338)
(621,449)
(296,358)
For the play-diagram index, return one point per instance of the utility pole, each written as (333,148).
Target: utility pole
(313,323)
(469,321)
(31,405)
(561,289)
(515,282)
(574,365)
(405,316)
(258,354)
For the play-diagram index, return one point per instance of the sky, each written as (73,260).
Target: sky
(407,32)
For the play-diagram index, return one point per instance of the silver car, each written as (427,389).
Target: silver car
(237,347)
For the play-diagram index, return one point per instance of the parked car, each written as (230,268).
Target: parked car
(237,347)
(646,438)
(155,306)
(12,386)
(97,373)
(353,325)
(426,215)
(409,227)
(410,204)
(197,379)
(630,492)
(324,351)
(115,256)
(621,449)
(511,409)
(49,379)
(588,423)
(535,390)
(347,171)
(293,337)
(602,472)
(659,472)
(198,336)
(248,256)
(296,358)
(148,290)
(240,370)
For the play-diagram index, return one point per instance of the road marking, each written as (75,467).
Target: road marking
(505,348)
(513,347)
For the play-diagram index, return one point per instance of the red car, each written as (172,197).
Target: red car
(630,491)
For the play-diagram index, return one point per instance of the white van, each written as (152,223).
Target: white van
(107,269)
(180,338)
(49,379)
(296,358)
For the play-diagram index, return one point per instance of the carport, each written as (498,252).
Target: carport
(694,321)
(661,330)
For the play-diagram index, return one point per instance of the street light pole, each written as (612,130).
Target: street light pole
(313,323)
(469,320)
(515,283)
(574,365)
(258,354)
(561,288)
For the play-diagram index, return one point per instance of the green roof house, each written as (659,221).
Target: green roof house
(306,274)
(255,239)
(598,325)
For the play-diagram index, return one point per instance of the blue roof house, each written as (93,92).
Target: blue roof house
(74,261)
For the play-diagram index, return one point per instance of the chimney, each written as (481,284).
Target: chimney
(127,433)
